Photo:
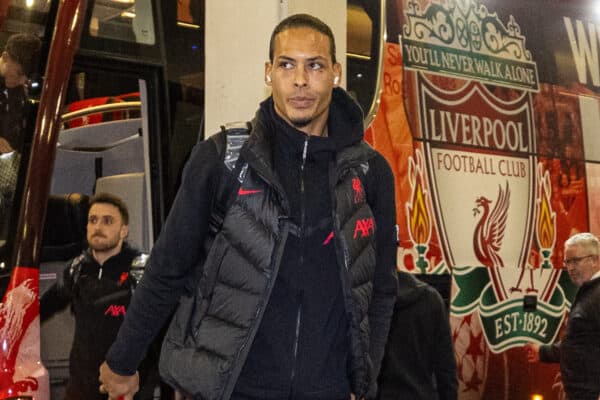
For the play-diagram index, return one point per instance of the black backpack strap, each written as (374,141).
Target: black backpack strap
(233,171)
(75,268)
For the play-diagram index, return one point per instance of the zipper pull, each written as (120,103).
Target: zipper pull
(100,273)
(304,151)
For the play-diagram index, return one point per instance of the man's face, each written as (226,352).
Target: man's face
(580,263)
(302,77)
(105,228)
(11,71)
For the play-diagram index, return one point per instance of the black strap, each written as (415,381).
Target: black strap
(228,185)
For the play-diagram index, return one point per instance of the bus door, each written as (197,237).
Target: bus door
(109,142)
(27,126)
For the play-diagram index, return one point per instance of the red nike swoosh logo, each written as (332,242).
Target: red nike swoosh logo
(243,191)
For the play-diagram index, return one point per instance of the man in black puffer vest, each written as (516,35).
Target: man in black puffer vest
(293,296)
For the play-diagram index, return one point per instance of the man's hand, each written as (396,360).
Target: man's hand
(558,385)
(532,350)
(118,387)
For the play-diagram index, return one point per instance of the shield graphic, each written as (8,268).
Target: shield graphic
(477,163)
(491,206)
(478,200)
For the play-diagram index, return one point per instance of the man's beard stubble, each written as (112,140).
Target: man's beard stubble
(104,246)
(301,123)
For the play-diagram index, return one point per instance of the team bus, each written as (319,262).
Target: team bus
(487,116)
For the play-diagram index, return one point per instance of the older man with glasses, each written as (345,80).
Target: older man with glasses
(579,351)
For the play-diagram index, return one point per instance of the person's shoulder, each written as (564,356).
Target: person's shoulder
(427,292)
(203,160)
(433,294)
(379,175)
(379,162)
(377,165)
(138,266)
(74,266)
(80,259)
(140,260)
(211,152)
(132,253)
(591,286)
(595,283)
(590,293)
(207,148)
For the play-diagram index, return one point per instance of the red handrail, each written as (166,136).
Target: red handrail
(64,45)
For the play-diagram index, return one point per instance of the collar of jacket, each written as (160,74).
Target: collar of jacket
(345,125)
(589,284)
(126,252)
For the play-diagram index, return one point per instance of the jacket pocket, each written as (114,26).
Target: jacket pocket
(181,364)
(207,283)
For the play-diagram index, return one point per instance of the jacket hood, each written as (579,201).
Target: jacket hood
(270,131)
(344,123)
(115,264)
(409,289)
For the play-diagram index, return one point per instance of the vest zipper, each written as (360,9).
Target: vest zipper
(301,235)
(302,194)
(304,151)
(295,353)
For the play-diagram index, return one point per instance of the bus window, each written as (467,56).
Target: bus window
(126,20)
(183,24)
(363,53)
(25,16)
(20,71)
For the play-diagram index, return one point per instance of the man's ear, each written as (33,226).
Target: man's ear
(337,74)
(124,232)
(268,71)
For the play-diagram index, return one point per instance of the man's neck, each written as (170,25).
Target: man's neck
(313,130)
(102,256)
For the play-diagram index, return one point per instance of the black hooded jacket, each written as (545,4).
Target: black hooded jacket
(99,296)
(12,106)
(419,359)
(579,350)
(307,299)
(300,343)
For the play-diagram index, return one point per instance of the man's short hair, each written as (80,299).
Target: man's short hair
(24,49)
(108,198)
(585,239)
(303,21)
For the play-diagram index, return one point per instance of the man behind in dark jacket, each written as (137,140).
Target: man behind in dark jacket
(579,351)
(98,285)
(18,61)
(298,287)
(419,359)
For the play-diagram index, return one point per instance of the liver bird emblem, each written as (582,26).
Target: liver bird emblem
(489,231)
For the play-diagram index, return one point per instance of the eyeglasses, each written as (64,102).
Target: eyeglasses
(576,260)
